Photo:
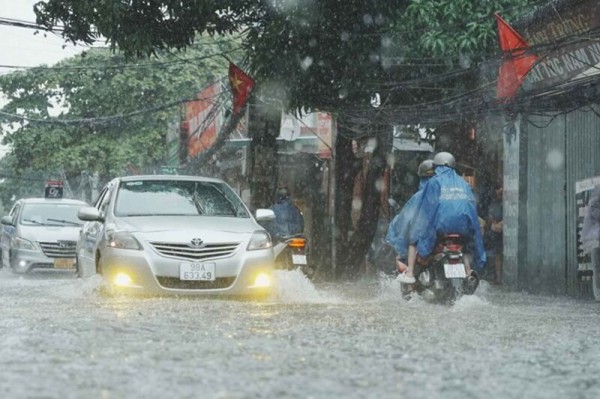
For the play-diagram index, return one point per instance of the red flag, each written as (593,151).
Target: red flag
(241,86)
(516,64)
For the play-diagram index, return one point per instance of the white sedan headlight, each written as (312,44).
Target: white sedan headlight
(260,240)
(22,243)
(122,240)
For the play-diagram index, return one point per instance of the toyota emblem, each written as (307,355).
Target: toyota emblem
(197,242)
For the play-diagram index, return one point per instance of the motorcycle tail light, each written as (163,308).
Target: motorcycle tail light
(454,247)
(297,243)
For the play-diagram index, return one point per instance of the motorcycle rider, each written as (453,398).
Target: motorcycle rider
(288,219)
(398,232)
(446,205)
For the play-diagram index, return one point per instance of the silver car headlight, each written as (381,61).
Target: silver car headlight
(260,240)
(122,240)
(21,243)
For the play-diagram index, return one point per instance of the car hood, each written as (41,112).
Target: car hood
(49,233)
(187,227)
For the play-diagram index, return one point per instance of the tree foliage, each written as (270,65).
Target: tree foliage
(327,54)
(89,87)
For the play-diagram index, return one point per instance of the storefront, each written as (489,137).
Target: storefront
(551,143)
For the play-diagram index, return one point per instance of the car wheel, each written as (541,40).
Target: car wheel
(98,265)
(78,271)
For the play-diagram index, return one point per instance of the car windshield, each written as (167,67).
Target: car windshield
(177,198)
(50,215)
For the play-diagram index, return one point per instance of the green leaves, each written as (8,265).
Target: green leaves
(448,28)
(100,85)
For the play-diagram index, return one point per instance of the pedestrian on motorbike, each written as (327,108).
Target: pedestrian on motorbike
(288,218)
(446,206)
(590,238)
(398,231)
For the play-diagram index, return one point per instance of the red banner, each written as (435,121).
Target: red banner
(203,119)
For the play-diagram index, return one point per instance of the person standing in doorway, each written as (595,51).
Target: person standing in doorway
(496,231)
(590,238)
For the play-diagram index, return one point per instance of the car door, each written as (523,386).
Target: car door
(90,234)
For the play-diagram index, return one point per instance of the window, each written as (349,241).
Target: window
(177,198)
(50,215)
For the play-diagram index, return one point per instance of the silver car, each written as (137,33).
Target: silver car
(181,235)
(41,233)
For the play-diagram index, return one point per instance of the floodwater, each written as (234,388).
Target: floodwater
(62,337)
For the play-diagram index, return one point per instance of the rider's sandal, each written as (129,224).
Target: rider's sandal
(403,278)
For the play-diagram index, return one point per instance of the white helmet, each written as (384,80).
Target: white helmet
(426,168)
(444,159)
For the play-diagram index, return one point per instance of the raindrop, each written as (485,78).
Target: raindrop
(386,41)
(371,145)
(367,19)
(312,42)
(374,57)
(356,204)
(391,160)
(345,36)
(555,159)
(343,93)
(379,185)
(464,61)
(306,62)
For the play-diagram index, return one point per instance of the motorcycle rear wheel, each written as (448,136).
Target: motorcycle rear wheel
(456,290)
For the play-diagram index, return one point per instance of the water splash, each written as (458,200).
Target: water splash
(469,302)
(294,287)
(80,288)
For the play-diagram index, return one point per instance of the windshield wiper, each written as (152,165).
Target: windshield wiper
(64,221)
(157,214)
(34,221)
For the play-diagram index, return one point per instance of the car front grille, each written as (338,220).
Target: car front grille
(186,251)
(176,283)
(59,249)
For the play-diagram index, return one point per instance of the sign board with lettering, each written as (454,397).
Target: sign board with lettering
(53,189)
(564,44)
(583,191)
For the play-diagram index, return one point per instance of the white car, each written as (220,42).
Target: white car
(181,235)
(41,233)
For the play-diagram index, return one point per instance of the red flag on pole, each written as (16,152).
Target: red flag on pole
(241,87)
(516,64)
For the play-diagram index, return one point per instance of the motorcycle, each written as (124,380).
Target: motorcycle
(442,277)
(291,253)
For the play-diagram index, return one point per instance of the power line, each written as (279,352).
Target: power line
(119,66)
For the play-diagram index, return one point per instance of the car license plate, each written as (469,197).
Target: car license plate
(196,271)
(299,259)
(64,263)
(456,270)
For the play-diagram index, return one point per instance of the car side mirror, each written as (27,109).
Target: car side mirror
(89,214)
(6,220)
(265,215)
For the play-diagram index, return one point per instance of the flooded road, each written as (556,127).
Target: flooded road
(61,337)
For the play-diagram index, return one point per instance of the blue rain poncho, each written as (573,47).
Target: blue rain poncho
(446,206)
(398,231)
(288,219)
